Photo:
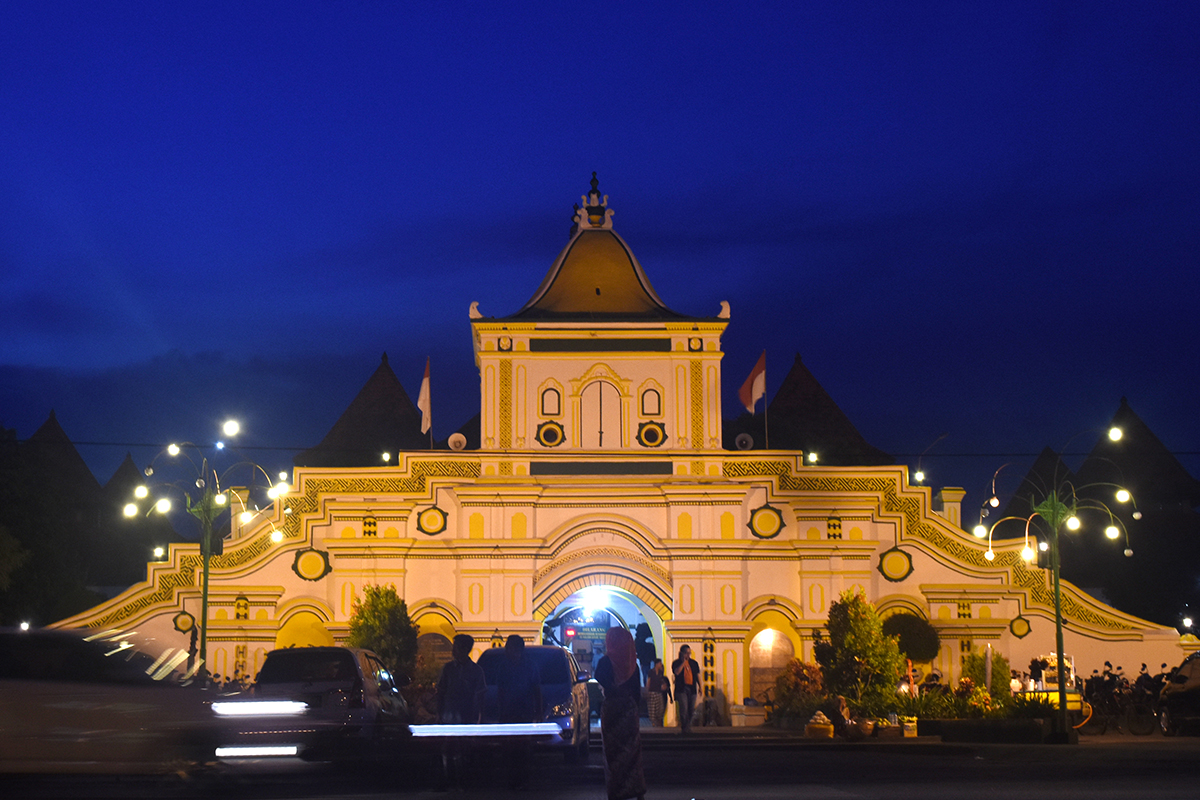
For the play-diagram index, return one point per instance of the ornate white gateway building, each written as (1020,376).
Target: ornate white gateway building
(597,491)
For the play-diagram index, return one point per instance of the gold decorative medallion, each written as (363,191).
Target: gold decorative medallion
(1020,627)
(651,434)
(550,434)
(184,622)
(312,565)
(895,564)
(431,521)
(765,522)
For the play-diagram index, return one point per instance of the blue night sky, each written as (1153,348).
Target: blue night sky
(970,219)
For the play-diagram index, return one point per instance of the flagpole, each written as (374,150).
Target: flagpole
(766,428)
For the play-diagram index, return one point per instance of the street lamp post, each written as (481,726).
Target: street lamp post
(206,506)
(1059,507)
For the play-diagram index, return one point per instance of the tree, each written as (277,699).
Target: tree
(380,622)
(857,656)
(919,640)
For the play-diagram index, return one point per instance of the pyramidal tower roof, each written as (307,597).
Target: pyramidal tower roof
(51,456)
(380,418)
(1140,462)
(596,276)
(802,416)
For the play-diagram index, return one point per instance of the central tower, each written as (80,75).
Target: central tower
(595,361)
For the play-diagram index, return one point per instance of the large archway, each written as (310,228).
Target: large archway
(580,622)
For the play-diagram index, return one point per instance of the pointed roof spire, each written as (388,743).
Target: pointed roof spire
(51,457)
(381,418)
(1140,462)
(802,416)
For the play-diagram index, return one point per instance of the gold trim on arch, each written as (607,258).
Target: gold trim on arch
(546,599)
(772,602)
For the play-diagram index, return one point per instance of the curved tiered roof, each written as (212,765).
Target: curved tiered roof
(596,276)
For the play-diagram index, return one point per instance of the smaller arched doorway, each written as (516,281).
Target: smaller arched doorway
(303,629)
(770,653)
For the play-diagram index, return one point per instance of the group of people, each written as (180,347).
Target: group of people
(461,688)
(1112,682)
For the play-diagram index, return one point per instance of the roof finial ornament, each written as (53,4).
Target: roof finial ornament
(598,214)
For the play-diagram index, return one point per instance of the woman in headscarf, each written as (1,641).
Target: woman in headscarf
(617,674)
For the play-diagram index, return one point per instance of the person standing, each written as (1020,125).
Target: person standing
(460,691)
(519,695)
(617,674)
(658,689)
(687,679)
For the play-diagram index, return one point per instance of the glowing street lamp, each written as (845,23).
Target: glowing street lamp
(1059,507)
(206,502)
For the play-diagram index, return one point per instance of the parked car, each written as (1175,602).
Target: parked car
(564,695)
(1179,702)
(317,703)
(88,701)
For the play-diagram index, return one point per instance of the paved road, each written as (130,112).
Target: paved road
(726,768)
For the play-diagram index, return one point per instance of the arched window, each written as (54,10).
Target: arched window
(651,403)
(551,403)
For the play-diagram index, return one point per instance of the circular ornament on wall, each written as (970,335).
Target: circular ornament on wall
(550,434)
(1020,627)
(694,344)
(651,434)
(765,522)
(895,564)
(505,343)
(431,521)
(183,622)
(311,564)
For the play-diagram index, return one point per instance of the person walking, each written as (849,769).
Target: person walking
(519,696)
(617,674)
(460,691)
(687,678)
(658,689)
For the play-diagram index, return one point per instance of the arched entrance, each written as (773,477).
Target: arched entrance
(303,629)
(770,653)
(580,622)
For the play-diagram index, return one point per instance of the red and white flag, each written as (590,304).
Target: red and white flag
(755,385)
(423,401)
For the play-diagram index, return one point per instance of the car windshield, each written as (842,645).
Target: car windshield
(307,666)
(550,662)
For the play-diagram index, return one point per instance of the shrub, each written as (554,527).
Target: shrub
(857,656)
(380,622)
(799,690)
(973,668)
(1026,707)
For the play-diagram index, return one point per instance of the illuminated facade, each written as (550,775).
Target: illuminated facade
(600,465)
